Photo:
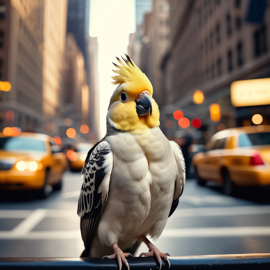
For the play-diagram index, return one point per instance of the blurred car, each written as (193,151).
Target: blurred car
(77,155)
(235,158)
(31,161)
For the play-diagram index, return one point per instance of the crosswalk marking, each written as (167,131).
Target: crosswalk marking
(29,223)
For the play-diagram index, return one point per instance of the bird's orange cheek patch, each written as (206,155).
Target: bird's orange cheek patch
(153,120)
(124,115)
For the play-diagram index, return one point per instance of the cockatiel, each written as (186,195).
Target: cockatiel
(133,177)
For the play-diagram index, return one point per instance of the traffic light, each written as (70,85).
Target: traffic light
(214,112)
(196,123)
(178,114)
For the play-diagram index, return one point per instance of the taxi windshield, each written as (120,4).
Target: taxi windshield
(253,139)
(17,143)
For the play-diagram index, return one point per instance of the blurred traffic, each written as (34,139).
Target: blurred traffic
(31,161)
(236,158)
(77,155)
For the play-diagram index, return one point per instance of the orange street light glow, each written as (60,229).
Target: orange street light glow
(214,112)
(5,86)
(198,97)
(178,115)
(71,155)
(15,131)
(7,131)
(57,140)
(71,132)
(184,122)
(84,129)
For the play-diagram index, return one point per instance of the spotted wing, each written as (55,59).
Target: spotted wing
(95,189)
(180,177)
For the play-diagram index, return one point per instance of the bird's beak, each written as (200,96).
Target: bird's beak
(143,105)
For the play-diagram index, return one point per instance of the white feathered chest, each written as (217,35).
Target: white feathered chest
(141,188)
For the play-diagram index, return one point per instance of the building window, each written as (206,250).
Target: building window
(211,40)
(219,71)
(213,71)
(229,56)
(228,23)
(218,33)
(238,22)
(239,49)
(259,40)
(2,11)
(1,39)
(206,45)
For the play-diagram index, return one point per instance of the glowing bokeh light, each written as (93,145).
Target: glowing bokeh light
(215,112)
(184,122)
(57,140)
(198,97)
(196,123)
(71,132)
(7,131)
(257,119)
(71,155)
(21,166)
(33,166)
(178,114)
(84,129)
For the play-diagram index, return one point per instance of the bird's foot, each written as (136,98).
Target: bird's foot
(154,252)
(120,256)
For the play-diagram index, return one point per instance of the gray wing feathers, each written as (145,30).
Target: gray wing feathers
(180,177)
(94,191)
(96,179)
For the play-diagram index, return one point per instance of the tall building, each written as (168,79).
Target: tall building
(94,109)
(31,56)
(156,41)
(75,88)
(78,25)
(142,7)
(213,44)
(53,50)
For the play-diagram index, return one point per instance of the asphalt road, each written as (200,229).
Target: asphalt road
(206,222)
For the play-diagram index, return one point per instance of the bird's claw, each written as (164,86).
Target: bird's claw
(154,252)
(120,256)
(130,255)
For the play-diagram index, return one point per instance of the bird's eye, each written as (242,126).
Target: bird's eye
(123,96)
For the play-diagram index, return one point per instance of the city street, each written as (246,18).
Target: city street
(206,222)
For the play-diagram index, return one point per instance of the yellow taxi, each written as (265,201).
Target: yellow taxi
(31,161)
(235,158)
(77,155)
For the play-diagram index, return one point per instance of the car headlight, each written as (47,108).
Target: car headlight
(28,166)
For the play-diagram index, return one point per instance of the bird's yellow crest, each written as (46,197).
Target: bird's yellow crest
(132,78)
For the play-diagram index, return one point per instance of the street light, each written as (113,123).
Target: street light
(214,112)
(198,97)
(5,86)
(84,129)
(71,132)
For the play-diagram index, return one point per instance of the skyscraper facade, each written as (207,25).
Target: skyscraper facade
(78,25)
(142,7)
